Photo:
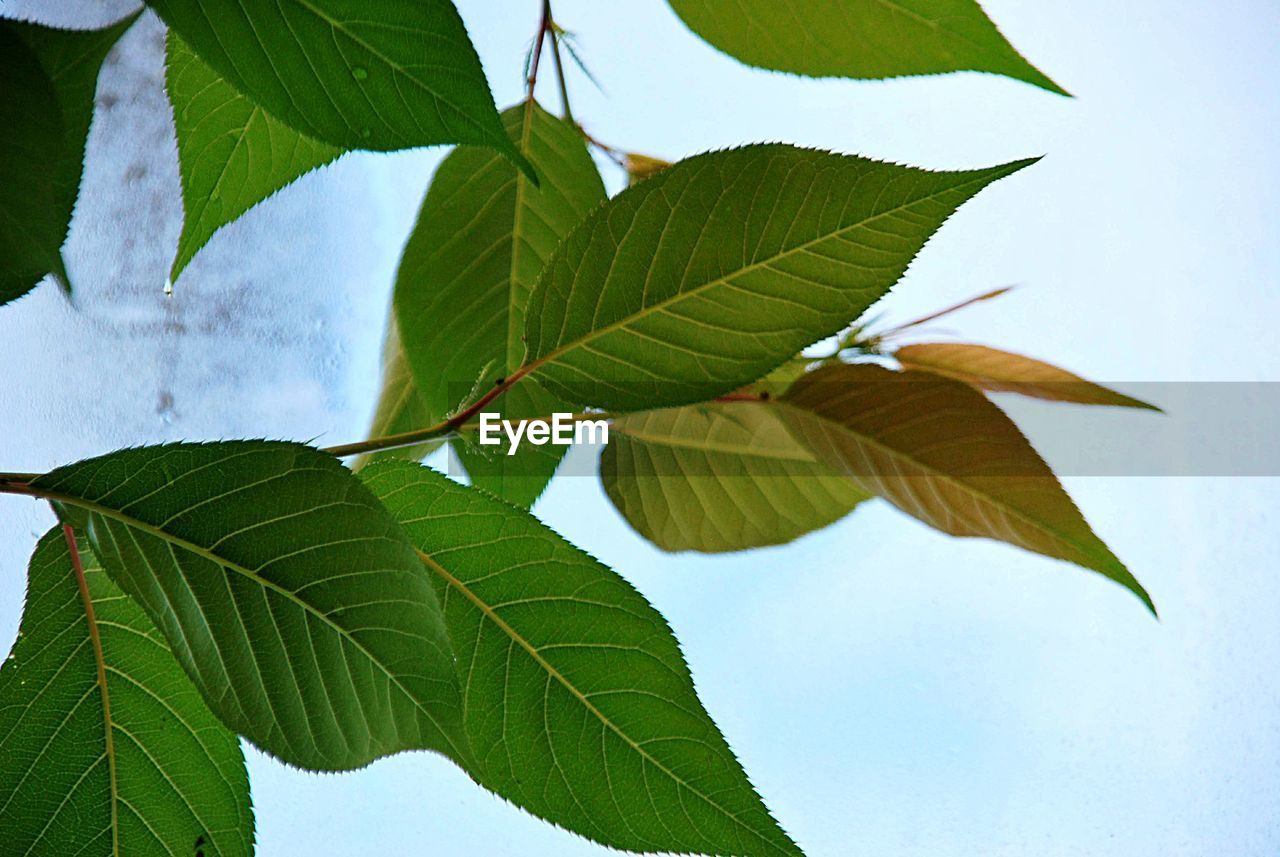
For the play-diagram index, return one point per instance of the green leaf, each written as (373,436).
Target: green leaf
(231,154)
(30,156)
(1001,371)
(577,700)
(706,276)
(719,477)
(380,74)
(860,38)
(49,78)
(941,452)
(289,595)
(482,239)
(400,408)
(134,765)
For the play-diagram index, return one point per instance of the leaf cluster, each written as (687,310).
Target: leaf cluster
(333,615)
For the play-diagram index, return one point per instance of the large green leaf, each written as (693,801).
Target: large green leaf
(231,153)
(31,156)
(940,451)
(719,477)
(577,701)
(482,239)
(860,38)
(399,408)
(708,275)
(48,78)
(380,74)
(105,747)
(287,592)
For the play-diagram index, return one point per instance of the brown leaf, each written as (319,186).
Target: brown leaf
(1002,371)
(943,453)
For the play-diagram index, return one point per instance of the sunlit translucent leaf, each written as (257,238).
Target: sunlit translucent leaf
(578,703)
(231,153)
(155,775)
(286,591)
(1001,371)
(708,275)
(482,238)
(940,451)
(399,408)
(719,477)
(860,38)
(379,74)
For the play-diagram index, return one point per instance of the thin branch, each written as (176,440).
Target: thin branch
(613,153)
(544,26)
(444,427)
(985,296)
(555,55)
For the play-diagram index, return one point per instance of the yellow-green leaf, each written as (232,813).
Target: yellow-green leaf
(482,238)
(708,275)
(719,477)
(231,153)
(860,38)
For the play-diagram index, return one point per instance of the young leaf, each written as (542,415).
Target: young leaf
(860,38)
(290,596)
(30,156)
(231,154)
(719,477)
(706,276)
(943,453)
(482,238)
(1000,371)
(577,701)
(71,60)
(400,408)
(105,747)
(381,74)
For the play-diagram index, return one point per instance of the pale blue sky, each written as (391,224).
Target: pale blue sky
(890,691)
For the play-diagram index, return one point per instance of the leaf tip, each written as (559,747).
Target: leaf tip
(524,165)
(1121,575)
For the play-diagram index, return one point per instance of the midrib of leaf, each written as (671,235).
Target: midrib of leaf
(514,345)
(965,487)
(931,24)
(100,661)
(517,638)
(205,553)
(937,26)
(338,27)
(727,279)
(241,139)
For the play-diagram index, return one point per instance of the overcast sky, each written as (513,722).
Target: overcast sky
(890,691)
